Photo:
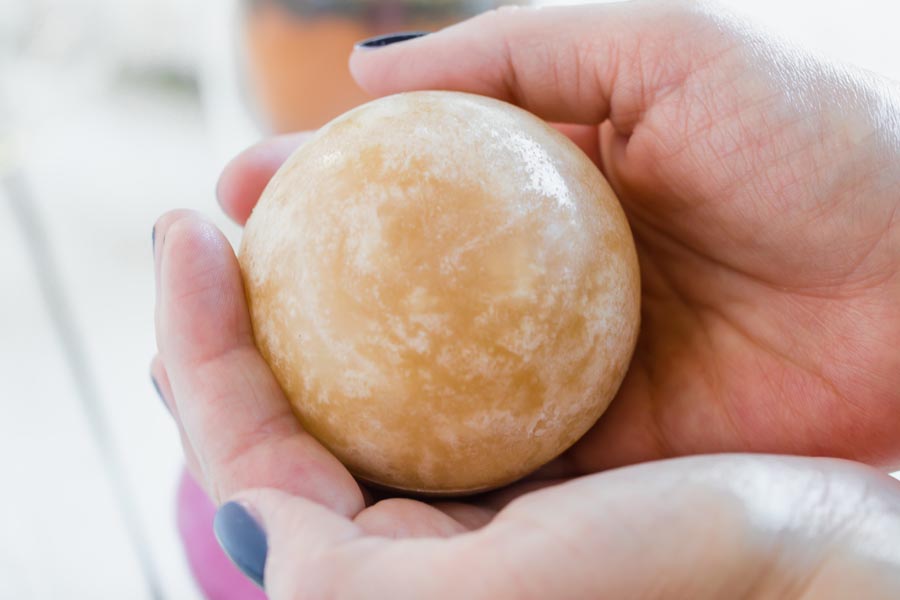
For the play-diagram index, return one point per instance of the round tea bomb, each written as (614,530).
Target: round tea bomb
(446,289)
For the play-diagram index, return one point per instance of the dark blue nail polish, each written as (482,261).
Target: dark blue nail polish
(159,393)
(380,41)
(242,539)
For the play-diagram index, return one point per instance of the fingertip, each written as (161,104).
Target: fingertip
(586,137)
(192,235)
(241,535)
(202,307)
(405,518)
(240,185)
(356,63)
(160,230)
(246,175)
(162,225)
(295,519)
(398,67)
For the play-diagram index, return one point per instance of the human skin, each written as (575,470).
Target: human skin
(761,187)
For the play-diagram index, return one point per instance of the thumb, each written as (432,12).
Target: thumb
(294,548)
(579,64)
(275,539)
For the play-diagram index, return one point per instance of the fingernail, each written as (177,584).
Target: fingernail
(153,239)
(380,41)
(242,539)
(160,394)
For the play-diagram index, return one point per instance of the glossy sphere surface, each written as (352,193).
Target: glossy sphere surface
(446,289)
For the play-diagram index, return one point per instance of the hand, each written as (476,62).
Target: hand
(703,527)
(729,526)
(761,187)
(761,331)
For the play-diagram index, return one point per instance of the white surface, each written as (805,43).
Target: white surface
(103,156)
(98,214)
(58,509)
(104,159)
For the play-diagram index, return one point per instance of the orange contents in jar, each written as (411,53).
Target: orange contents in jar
(299,67)
(298,60)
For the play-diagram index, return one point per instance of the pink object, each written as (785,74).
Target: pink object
(217,578)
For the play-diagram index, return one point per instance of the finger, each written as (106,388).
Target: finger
(579,64)
(275,538)
(312,552)
(499,499)
(247,175)
(719,533)
(161,381)
(159,229)
(405,518)
(157,368)
(235,415)
(470,516)
(585,137)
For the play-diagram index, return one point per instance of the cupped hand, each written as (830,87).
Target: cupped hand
(709,527)
(699,527)
(762,189)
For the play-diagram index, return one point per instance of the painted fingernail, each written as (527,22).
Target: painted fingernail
(380,41)
(153,239)
(242,539)
(159,393)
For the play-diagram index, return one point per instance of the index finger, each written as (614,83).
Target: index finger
(246,176)
(233,411)
(570,64)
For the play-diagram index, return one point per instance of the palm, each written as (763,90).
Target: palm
(768,291)
(719,534)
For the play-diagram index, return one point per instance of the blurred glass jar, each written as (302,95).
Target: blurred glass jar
(297,50)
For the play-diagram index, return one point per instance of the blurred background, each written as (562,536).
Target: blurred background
(111,112)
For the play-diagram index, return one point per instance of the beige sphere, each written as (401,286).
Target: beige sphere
(446,289)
